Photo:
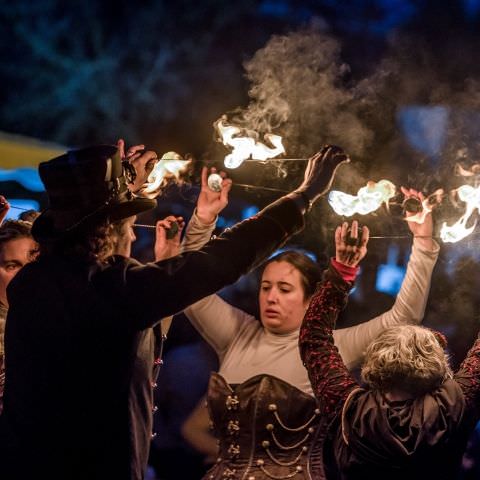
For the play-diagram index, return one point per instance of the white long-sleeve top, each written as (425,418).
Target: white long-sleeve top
(246,349)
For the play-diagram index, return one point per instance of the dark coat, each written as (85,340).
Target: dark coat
(363,435)
(80,350)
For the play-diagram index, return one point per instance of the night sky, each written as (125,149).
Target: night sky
(161,72)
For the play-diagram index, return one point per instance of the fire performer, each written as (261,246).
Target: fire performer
(261,402)
(413,417)
(79,349)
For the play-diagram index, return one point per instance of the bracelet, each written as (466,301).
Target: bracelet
(306,199)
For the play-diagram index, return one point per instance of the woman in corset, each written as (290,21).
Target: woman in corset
(261,403)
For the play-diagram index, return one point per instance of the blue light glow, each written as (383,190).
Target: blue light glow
(250,211)
(27,177)
(223,222)
(22,204)
(472,8)
(307,253)
(425,128)
(390,275)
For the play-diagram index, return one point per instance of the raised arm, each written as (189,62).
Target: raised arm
(169,286)
(4,208)
(409,306)
(209,205)
(330,379)
(216,320)
(200,227)
(199,230)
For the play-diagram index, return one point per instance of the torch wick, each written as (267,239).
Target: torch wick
(376,237)
(259,187)
(269,160)
(19,208)
(144,226)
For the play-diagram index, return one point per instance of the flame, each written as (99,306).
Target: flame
(453,233)
(427,206)
(367,200)
(246,147)
(169,167)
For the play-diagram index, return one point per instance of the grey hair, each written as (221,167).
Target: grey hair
(408,358)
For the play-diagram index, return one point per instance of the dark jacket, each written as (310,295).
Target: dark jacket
(80,350)
(364,434)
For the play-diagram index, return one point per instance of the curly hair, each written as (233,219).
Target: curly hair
(13,230)
(92,243)
(409,358)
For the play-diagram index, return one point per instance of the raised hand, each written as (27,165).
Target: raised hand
(349,247)
(4,208)
(166,245)
(423,232)
(320,171)
(142,160)
(211,203)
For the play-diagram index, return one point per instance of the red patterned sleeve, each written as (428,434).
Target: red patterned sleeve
(468,377)
(2,380)
(330,379)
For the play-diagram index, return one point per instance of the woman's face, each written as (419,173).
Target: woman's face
(281,298)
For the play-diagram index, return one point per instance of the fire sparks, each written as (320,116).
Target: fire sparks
(459,230)
(169,167)
(244,146)
(367,200)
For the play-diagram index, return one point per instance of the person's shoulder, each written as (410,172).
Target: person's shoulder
(116,262)
(449,391)
(30,277)
(115,266)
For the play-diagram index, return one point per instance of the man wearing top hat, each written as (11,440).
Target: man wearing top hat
(80,347)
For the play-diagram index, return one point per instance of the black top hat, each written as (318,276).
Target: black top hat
(83,187)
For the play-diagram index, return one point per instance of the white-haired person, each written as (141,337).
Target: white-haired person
(411,417)
(261,401)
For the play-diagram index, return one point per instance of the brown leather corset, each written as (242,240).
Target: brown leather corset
(265,427)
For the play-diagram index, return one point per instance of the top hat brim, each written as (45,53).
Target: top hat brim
(54,224)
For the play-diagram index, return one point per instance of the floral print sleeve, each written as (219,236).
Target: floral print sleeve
(330,379)
(468,377)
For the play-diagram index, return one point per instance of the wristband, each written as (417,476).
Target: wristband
(306,199)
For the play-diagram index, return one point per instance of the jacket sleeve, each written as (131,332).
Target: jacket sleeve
(197,234)
(156,290)
(468,377)
(409,307)
(330,379)
(217,321)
